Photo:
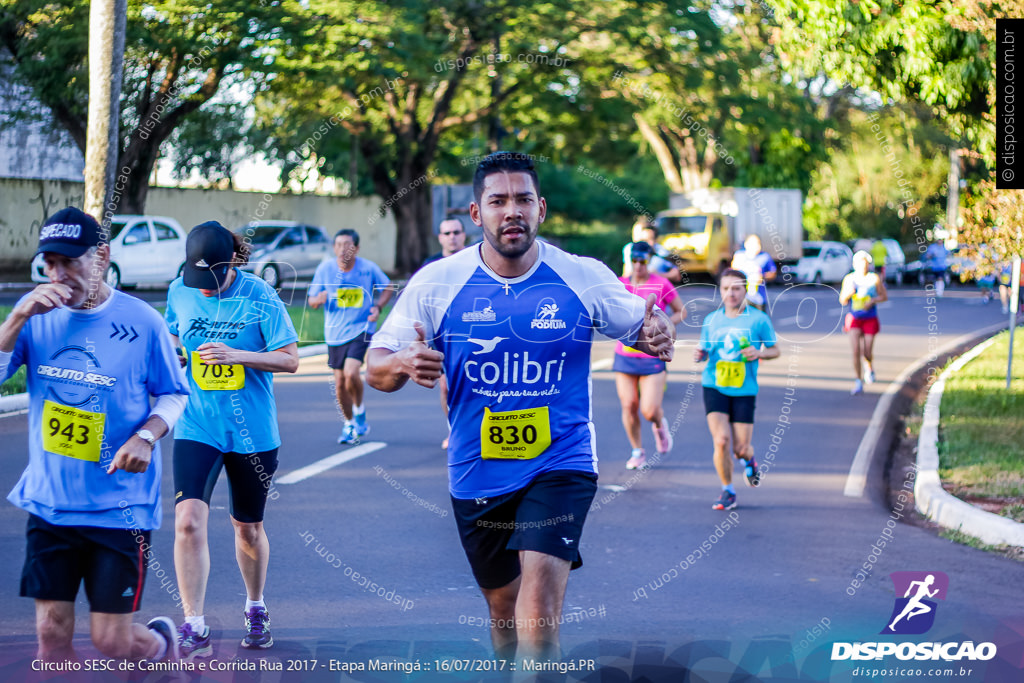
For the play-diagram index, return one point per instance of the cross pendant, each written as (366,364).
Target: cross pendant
(506,287)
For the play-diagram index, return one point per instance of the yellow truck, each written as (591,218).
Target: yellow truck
(704,228)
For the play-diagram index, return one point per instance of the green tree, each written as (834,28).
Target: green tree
(884,177)
(178,55)
(936,53)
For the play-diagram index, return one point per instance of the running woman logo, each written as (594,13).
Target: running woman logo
(914,613)
(544,319)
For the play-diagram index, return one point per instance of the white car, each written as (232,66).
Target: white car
(144,250)
(285,250)
(824,262)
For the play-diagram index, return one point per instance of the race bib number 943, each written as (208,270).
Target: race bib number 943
(72,432)
(217,377)
(515,434)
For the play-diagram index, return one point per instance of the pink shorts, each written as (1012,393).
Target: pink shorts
(866,325)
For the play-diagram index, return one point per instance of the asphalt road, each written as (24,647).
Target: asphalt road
(765,597)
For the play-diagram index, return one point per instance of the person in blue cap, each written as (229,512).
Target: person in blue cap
(92,485)
(236,334)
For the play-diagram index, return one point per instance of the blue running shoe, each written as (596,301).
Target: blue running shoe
(348,434)
(751,474)
(192,645)
(257,623)
(361,427)
(164,627)
(726,501)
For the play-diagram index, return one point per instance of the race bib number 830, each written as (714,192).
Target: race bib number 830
(515,434)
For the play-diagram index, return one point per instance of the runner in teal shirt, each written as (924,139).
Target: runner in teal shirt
(236,333)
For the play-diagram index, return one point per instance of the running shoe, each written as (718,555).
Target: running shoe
(164,628)
(726,501)
(348,434)
(191,645)
(858,388)
(869,378)
(751,473)
(361,427)
(637,460)
(257,623)
(662,437)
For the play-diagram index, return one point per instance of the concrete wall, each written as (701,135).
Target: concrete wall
(25,204)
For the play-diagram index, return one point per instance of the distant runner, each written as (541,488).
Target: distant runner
(733,339)
(863,291)
(758,267)
(353,292)
(640,379)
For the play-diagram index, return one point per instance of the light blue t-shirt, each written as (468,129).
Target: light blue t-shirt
(90,377)
(723,337)
(229,414)
(517,358)
(350,296)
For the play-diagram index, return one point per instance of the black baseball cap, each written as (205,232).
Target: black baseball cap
(641,250)
(209,249)
(70,232)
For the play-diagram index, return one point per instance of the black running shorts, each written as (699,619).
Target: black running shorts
(545,516)
(110,562)
(738,408)
(197,466)
(337,355)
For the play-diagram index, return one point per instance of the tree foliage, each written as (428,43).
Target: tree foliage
(935,53)
(179,54)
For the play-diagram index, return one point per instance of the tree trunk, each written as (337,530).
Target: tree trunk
(415,234)
(107,19)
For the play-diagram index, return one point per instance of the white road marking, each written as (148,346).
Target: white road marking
(330,461)
(602,364)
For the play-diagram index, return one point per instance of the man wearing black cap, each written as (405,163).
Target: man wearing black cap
(92,485)
(236,334)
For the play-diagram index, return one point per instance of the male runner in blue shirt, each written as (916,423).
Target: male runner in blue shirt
(353,291)
(94,356)
(512,320)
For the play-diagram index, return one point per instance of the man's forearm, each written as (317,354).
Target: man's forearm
(9,331)
(384,371)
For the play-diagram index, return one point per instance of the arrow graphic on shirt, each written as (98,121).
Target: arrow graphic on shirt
(123,331)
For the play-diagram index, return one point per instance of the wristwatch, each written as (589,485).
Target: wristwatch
(146,436)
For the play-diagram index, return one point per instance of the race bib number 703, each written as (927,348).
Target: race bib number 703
(217,377)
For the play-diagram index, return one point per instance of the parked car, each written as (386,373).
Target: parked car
(824,262)
(895,261)
(144,250)
(285,250)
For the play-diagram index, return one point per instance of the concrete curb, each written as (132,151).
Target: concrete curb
(868,470)
(933,501)
(17,402)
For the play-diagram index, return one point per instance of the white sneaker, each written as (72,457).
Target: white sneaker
(858,388)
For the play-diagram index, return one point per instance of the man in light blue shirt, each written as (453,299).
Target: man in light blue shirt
(94,358)
(353,291)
